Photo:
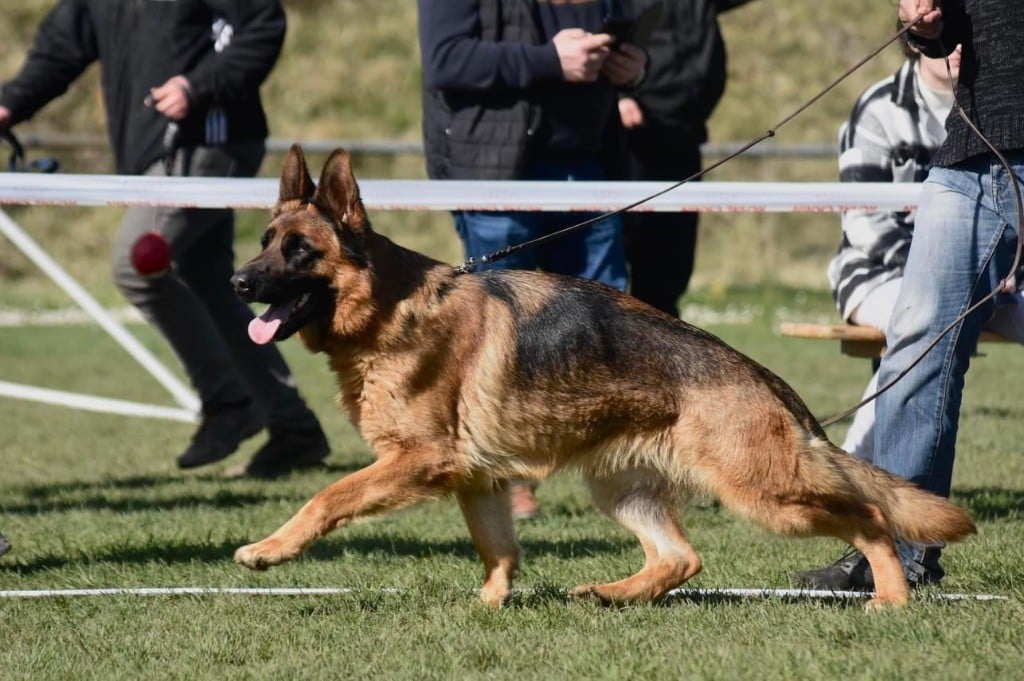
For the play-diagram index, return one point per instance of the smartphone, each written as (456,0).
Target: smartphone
(619,28)
(636,31)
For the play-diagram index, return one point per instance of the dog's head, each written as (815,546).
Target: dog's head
(314,257)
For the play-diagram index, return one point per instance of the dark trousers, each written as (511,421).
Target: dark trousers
(660,247)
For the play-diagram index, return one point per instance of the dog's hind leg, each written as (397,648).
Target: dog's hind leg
(861,524)
(867,530)
(643,502)
(390,483)
(489,518)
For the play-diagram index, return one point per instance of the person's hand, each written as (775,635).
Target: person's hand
(581,54)
(5,118)
(173,99)
(930,26)
(630,112)
(624,65)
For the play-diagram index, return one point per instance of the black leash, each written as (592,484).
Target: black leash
(471,263)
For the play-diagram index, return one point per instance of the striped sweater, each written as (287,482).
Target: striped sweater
(891,136)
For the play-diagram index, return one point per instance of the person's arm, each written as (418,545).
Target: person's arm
(239,70)
(454,57)
(866,156)
(64,46)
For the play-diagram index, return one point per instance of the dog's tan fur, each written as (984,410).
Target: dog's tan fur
(461,382)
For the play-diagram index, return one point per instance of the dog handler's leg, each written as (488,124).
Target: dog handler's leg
(489,518)
(643,503)
(390,483)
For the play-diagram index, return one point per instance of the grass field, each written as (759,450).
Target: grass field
(94,501)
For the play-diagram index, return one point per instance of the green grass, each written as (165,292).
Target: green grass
(94,501)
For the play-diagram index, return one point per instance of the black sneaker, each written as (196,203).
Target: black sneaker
(853,573)
(850,573)
(222,429)
(5,545)
(287,451)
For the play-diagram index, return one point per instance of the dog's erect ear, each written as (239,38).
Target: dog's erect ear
(337,194)
(296,183)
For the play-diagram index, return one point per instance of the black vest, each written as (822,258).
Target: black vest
(484,135)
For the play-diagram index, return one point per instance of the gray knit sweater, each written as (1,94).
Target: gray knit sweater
(991,85)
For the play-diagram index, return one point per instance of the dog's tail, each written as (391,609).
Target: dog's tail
(914,514)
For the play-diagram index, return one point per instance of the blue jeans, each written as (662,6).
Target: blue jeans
(964,242)
(593,252)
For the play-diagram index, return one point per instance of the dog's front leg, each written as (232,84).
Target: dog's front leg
(488,515)
(390,483)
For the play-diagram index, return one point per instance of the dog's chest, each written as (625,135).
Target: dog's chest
(384,401)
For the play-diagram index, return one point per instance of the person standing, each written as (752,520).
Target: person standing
(665,121)
(526,91)
(181,90)
(965,240)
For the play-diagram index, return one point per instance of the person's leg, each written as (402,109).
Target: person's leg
(962,246)
(874,310)
(660,247)
(485,232)
(170,305)
(593,252)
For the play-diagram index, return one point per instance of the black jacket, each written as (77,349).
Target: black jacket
(686,70)
(140,44)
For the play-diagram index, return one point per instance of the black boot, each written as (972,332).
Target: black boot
(222,429)
(287,450)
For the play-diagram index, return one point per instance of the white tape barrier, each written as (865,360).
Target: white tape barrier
(181,393)
(103,405)
(196,192)
(100,190)
(318,591)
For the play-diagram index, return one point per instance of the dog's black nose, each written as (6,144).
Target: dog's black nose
(241,283)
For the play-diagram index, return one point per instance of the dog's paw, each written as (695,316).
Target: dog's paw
(258,556)
(588,593)
(495,597)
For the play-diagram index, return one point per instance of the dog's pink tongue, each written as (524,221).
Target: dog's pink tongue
(263,328)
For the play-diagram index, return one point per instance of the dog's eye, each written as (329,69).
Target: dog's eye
(267,237)
(296,246)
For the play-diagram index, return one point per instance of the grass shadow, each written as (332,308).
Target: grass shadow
(154,551)
(990,503)
(222,499)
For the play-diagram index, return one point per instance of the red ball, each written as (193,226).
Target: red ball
(151,255)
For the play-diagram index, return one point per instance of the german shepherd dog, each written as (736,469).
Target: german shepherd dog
(462,382)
